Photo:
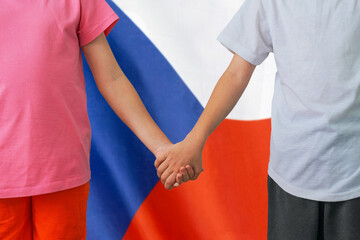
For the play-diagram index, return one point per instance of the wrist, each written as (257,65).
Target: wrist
(196,138)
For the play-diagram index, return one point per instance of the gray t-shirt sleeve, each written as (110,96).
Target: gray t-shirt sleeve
(248,34)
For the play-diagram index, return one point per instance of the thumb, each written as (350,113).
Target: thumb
(197,173)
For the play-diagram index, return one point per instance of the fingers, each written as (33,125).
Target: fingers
(178,181)
(170,181)
(159,160)
(185,174)
(179,178)
(190,171)
(163,166)
(164,176)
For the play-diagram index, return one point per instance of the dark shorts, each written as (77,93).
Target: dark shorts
(294,218)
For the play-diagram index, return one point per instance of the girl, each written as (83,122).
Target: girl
(45,132)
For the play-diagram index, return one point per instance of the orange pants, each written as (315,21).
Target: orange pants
(57,215)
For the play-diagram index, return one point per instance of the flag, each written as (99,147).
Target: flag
(169,52)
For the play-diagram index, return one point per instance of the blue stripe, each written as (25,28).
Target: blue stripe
(123,173)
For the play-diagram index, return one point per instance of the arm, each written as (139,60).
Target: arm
(121,95)
(225,95)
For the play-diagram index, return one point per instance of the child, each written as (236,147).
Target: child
(314,167)
(45,132)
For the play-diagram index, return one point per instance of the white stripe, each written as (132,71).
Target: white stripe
(185,32)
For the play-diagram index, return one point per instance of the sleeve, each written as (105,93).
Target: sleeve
(248,34)
(96,16)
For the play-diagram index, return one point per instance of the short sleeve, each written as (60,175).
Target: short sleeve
(96,16)
(248,34)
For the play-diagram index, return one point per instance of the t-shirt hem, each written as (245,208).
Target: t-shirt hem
(235,47)
(46,188)
(312,195)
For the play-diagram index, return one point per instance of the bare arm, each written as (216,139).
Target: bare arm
(225,95)
(121,95)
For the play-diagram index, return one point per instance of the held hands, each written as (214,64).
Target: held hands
(178,163)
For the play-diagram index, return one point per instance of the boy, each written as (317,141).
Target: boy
(314,167)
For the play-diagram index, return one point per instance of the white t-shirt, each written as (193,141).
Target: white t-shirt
(315,138)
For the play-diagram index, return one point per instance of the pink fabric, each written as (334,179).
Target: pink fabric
(45,131)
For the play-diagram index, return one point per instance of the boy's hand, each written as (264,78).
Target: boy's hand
(168,164)
(184,175)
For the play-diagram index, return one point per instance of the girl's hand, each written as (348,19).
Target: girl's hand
(172,158)
(186,173)
(184,176)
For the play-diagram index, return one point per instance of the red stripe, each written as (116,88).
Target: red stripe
(229,199)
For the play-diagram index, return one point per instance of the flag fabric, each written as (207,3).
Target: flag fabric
(169,52)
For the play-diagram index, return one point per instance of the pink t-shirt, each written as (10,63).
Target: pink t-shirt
(45,131)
